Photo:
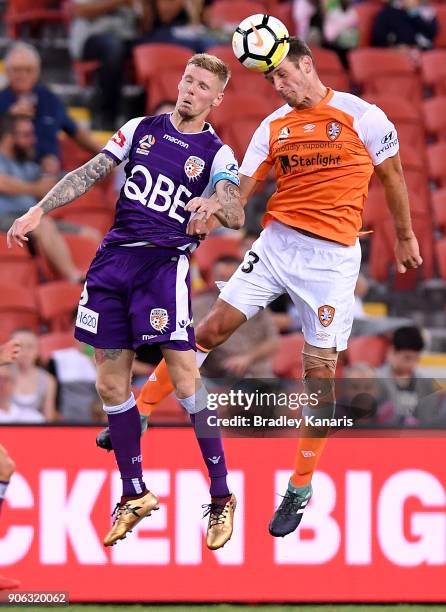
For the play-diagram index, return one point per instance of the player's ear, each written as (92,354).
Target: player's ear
(306,64)
(218,100)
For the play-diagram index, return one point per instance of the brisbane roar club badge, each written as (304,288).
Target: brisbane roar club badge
(326,314)
(333,130)
(159,319)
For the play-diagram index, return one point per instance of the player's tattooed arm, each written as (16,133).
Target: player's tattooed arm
(77,182)
(231,213)
(224,204)
(72,185)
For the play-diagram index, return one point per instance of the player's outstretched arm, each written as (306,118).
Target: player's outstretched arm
(407,251)
(71,186)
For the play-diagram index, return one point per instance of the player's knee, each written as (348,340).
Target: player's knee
(112,391)
(184,387)
(211,333)
(7,468)
(319,369)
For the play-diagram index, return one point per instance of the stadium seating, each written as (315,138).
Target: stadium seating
(94,200)
(82,249)
(375,209)
(376,70)
(434,111)
(436,156)
(18,309)
(367,12)
(17,265)
(398,108)
(330,69)
(284,12)
(367,349)
(48,343)
(242,80)
(72,154)
(433,69)
(382,258)
(25,12)
(287,361)
(238,135)
(440,40)
(57,302)
(242,107)
(84,71)
(229,13)
(440,249)
(439,209)
(212,249)
(159,68)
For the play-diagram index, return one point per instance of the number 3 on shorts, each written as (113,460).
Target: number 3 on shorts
(251,259)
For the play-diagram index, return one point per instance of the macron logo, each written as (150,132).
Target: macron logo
(215,459)
(177,141)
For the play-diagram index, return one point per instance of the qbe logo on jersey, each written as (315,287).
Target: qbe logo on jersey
(193,167)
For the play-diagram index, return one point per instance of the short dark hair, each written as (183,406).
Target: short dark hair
(408,338)
(298,48)
(8,123)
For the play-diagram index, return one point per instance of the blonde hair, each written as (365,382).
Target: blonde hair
(212,64)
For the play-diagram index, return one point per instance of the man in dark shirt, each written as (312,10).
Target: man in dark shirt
(25,95)
(405,23)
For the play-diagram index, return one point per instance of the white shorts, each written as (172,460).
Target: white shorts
(318,275)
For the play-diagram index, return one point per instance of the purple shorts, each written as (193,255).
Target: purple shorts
(134,296)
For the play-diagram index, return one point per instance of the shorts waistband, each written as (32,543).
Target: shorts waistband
(313,239)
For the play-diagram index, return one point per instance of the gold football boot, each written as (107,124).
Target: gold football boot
(221,522)
(129,514)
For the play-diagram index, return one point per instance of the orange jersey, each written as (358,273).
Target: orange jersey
(323,159)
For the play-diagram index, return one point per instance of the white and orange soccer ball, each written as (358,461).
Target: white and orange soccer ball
(260,42)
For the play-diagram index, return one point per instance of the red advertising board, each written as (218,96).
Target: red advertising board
(375,529)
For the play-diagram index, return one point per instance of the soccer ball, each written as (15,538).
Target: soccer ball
(260,42)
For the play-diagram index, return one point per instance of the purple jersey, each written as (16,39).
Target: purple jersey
(165,169)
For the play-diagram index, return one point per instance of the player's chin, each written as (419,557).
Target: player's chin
(185,111)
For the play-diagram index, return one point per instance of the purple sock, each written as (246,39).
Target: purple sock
(125,433)
(211,447)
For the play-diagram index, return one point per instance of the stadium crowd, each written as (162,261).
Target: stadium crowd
(391,53)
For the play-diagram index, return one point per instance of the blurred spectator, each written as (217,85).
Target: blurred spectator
(34,388)
(21,186)
(248,352)
(105,31)
(25,95)
(9,411)
(308,18)
(409,23)
(75,372)
(180,22)
(359,393)
(328,23)
(401,385)
(340,27)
